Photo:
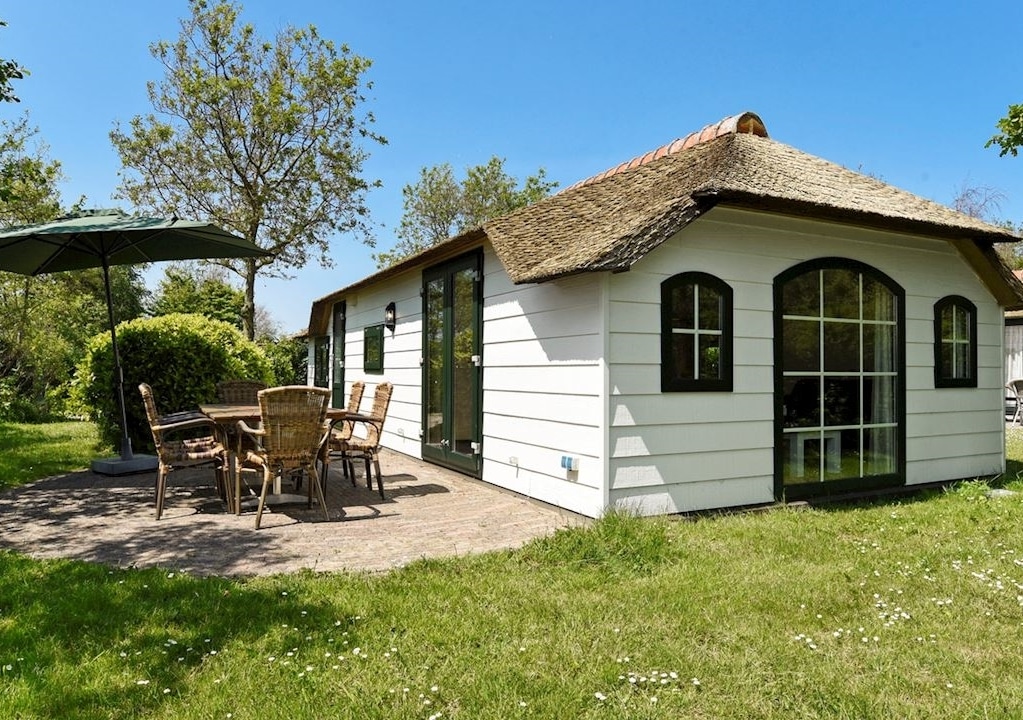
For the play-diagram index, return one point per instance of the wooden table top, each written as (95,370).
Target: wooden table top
(233,412)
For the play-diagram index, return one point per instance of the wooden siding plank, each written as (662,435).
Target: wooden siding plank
(691,468)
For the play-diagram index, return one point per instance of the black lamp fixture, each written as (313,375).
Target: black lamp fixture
(390,316)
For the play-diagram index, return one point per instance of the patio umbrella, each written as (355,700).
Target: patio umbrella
(102,238)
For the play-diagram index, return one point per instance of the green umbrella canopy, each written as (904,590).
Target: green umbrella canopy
(101,238)
(98,238)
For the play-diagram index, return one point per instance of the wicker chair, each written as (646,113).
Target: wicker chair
(241,392)
(366,448)
(183,439)
(342,432)
(292,435)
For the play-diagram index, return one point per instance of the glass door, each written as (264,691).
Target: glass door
(337,398)
(840,379)
(452,364)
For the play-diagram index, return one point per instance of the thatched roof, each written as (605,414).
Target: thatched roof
(610,224)
(610,221)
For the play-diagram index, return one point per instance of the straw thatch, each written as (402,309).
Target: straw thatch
(612,223)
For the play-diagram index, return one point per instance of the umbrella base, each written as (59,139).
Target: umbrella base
(121,466)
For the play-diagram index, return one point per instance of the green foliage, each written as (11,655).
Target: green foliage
(45,325)
(288,359)
(263,137)
(28,178)
(46,321)
(9,70)
(439,206)
(1010,132)
(181,356)
(186,290)
(898,609)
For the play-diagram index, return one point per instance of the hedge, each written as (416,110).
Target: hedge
(181,356)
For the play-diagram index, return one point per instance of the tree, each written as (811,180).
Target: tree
(1010,135)
(438,206)
(28,178)
(264,138)
(9,70)
(203,291)
(984,203)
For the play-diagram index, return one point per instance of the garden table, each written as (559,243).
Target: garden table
(226,416)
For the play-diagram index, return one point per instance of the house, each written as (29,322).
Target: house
(724,321)
(1014,340)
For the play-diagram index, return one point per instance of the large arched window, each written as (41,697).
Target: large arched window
(696,333)
(839,369)
(955,342)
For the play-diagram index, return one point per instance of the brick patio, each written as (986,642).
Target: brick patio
(429,512)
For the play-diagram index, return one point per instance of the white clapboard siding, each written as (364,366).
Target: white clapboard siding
(687,497)
(571,368)
(677,439)
(543,381)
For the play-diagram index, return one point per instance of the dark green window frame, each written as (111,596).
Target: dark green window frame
(321,361)
(955,356)
(705,336)
(373,349)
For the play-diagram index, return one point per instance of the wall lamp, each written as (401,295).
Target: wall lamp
(390,316)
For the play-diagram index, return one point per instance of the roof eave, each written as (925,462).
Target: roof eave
(319,315)
(974,245)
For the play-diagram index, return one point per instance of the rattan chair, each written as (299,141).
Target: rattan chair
(342,432)
(291,437)
(241,392)
(367,447)
(183,439)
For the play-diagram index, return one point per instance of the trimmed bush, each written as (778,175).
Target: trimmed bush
(289,359)
(182,356)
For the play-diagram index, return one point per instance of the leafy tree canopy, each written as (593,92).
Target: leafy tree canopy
(9,70)
(195,289)
(439,206)
(263,137)
(1010,132)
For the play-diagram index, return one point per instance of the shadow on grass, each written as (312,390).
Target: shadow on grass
(123,636)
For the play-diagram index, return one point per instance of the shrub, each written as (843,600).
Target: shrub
(288,358)
(182,356)
(15,407)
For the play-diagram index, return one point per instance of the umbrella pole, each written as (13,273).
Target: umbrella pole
(126,453)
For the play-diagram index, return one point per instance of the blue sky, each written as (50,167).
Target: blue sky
(908,92)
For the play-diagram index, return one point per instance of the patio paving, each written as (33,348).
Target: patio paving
(428,512)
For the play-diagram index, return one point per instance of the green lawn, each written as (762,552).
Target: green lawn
(29,452)
(903,609)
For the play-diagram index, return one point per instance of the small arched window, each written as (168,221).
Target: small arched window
(696,333)
(955,342)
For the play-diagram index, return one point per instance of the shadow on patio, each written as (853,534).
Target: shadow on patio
(428,512)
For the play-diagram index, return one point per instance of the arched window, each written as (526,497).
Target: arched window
(955,342)
(696,333)
(839,369)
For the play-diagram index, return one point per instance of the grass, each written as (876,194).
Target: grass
(29,452)
(910,609)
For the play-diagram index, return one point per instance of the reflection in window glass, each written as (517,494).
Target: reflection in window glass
(840,381)
(801,345)
(955,352)
(841,347)
(802,402)
(696,333)
(841,294)
(802,295)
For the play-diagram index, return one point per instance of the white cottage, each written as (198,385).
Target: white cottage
(725,321)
